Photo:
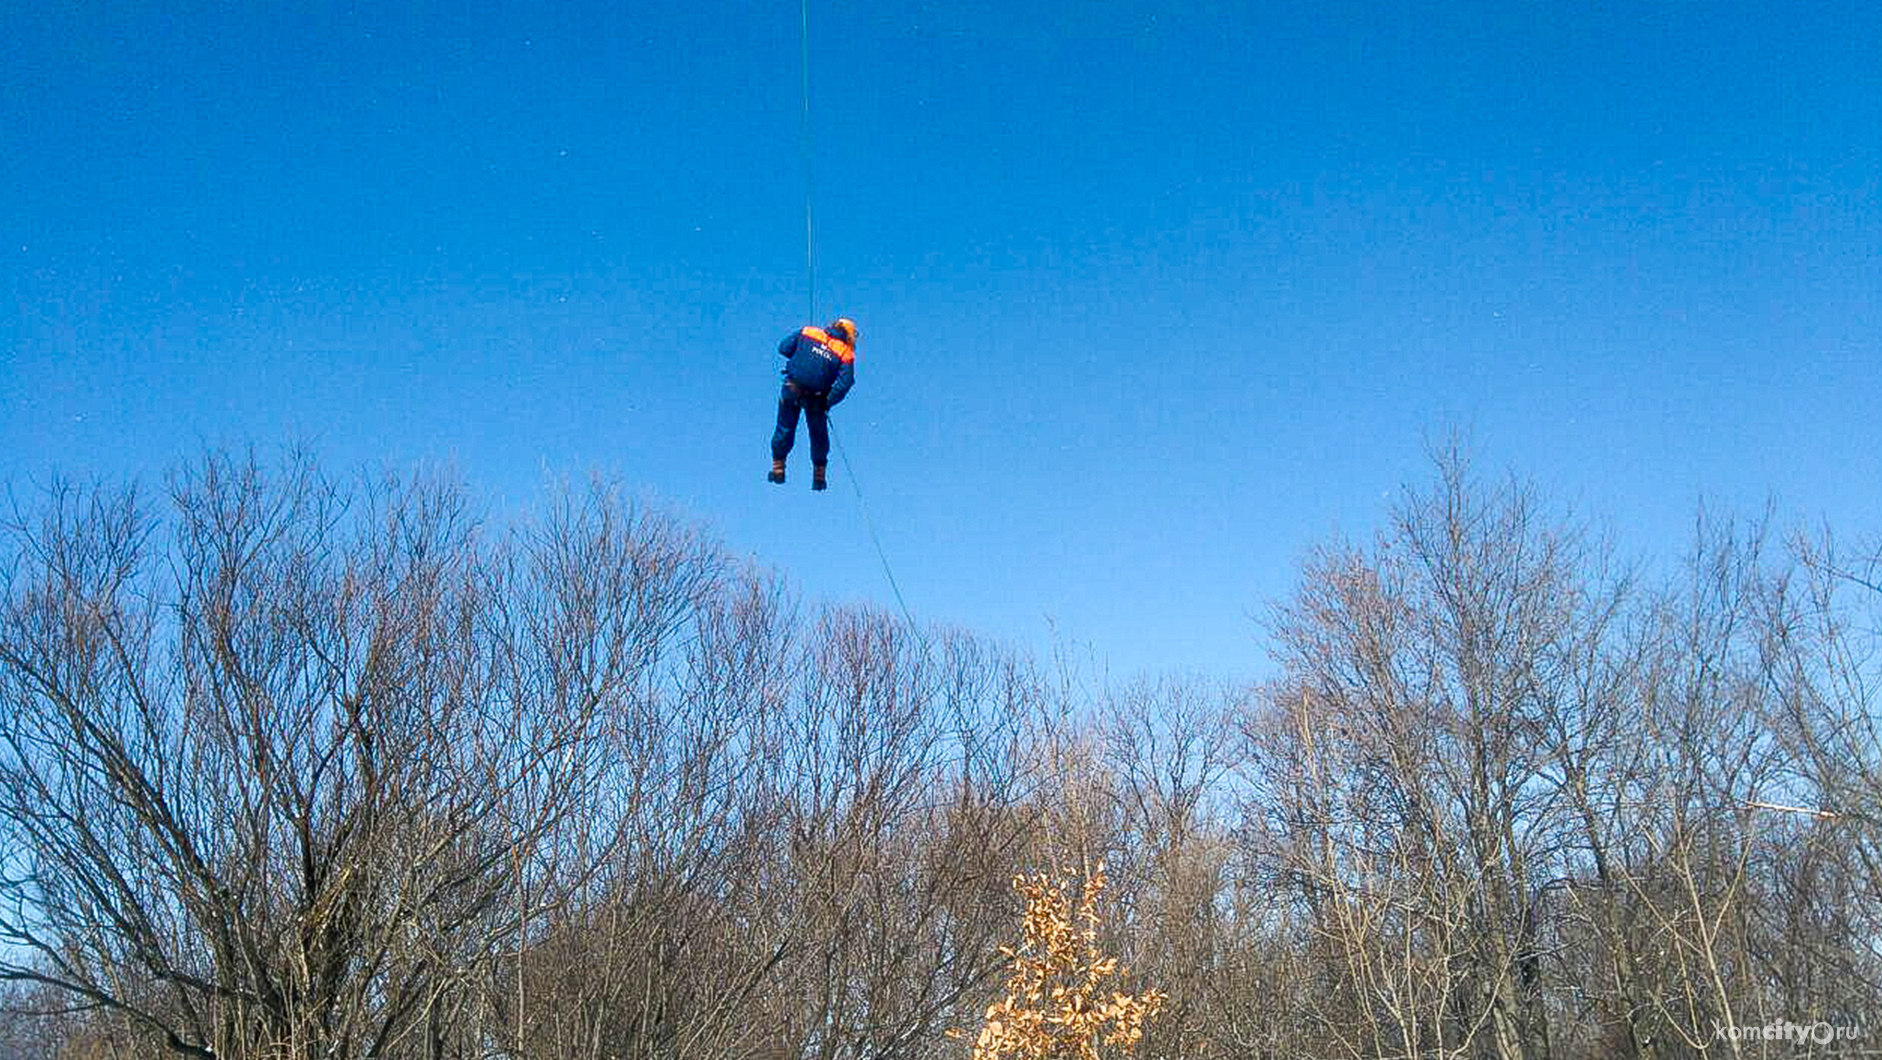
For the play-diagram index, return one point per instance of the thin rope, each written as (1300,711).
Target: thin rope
(810,284)
(810,242)
(881,554)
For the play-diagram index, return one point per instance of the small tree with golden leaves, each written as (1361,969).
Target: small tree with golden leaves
(1057,1005)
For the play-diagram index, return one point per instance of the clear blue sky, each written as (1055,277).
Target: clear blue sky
(1154,297)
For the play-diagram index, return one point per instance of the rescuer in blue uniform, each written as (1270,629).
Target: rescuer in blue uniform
(819,368)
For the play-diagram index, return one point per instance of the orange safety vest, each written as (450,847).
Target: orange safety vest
(843,350)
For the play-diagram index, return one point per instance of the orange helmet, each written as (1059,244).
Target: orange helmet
(845,327)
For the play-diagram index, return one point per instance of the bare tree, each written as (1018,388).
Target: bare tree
(289,773)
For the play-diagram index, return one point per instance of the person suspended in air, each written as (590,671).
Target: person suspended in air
(819,369)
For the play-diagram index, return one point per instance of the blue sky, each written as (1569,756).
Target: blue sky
(1154,297)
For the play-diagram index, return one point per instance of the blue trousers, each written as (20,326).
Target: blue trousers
(815,413)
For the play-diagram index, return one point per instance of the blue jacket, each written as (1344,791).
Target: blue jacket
(818,363)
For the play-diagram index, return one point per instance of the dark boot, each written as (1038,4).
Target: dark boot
(777,472)
(817,479)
